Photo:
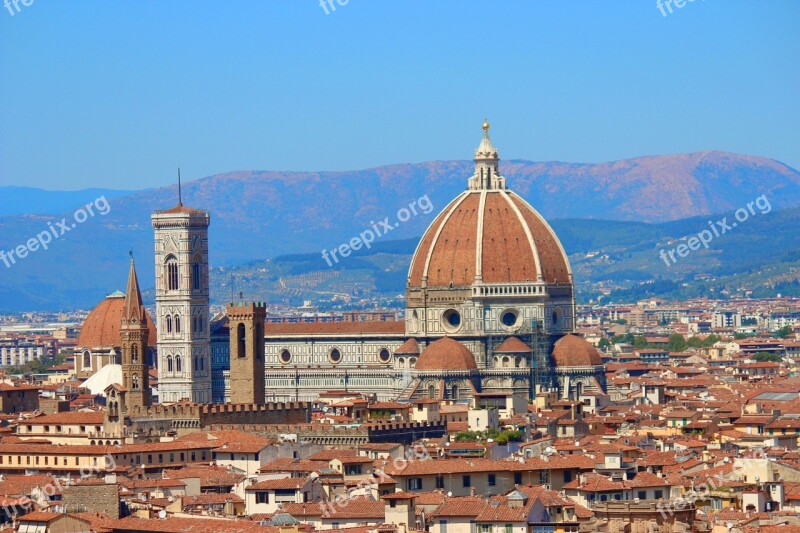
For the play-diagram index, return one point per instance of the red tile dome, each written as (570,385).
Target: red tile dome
(101,327)
(446,354)
(572,350)
(488,234)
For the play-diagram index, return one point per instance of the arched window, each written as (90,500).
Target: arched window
(87,359)
(177,324)
(172,273)
(178,363)
(240,337)
(169,324)
(135,381)
(135,353)
(196,279)
(169,363)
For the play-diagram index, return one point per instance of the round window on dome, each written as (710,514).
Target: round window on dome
(335,356)
(285,357)
(451,320)
(509,318)
(384,356)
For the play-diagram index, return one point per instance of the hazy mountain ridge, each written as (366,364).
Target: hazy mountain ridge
(260,214)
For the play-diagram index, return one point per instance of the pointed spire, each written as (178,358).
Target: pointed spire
(133,297)
(180,199)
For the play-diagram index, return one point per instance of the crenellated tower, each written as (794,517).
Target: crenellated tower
(246,324)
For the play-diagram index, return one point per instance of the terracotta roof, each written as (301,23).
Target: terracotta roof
(16,486)
(291,483)
(211,498)
(513,345)
(410,347)
(173,524)
(229,441)
(572,350)
(68,417)
(209,476)
(40,516)
(360,507)
(101,327)
(446,354)
(515,244)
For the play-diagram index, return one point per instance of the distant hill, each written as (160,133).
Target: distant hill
(262,214)
(29,200)
(611,260)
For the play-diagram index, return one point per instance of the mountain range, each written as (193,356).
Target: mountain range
(257,215)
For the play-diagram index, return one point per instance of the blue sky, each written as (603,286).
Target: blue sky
(117,94)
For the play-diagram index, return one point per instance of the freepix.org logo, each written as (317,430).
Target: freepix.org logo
(378,229)
(55,231)
(13,5)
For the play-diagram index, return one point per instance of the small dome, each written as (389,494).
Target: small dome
(446,354)
(572,350)
(513,345)
(410,347)
(101,327)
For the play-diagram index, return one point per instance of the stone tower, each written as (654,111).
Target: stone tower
(133,340)
(246,323)
(182,304)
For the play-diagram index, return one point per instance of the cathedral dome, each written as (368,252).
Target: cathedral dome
(446,354)
(488,234)
(572,350)
(101,327)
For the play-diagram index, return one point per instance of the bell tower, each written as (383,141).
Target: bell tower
(182,303)
(133,340)
(246,324)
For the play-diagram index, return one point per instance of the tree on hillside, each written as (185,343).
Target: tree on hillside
(766,356)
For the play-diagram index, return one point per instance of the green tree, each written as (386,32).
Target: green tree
(626,338)
(676,343)
(766,356)
(640,342)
